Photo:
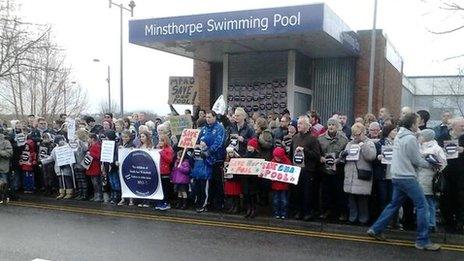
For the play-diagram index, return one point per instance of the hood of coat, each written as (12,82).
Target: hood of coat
(403,132)
(429,144)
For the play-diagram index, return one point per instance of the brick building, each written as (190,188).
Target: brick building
(299,57)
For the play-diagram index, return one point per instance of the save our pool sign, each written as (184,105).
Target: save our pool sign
(182,90)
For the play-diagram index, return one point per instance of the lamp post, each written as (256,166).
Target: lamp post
(372,62)
(131,10)
(64,96)
(108,80)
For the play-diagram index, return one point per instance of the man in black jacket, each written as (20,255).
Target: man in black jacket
(306,154)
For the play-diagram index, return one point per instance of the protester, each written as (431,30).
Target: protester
(45,150)
(126,142)
(64,173)
(94,170)
(240,132)
(384,114)
(28,161)
(424,117)
(452,202)
(6,153)
(250,182)
(429,147)
(444,127)
(345,128)
(181,179)
(82,189)
(317,129)
(232,185)
(280,189)
(281,131)
(201,174)
(111,171)
(333,142)
(406,158)
(358,174)
(306,153)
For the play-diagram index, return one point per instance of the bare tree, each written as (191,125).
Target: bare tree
(104,108)
(35,79)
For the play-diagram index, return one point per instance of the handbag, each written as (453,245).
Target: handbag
(438,184)
(364,174)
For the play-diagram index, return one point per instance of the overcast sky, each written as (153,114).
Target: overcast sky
(88,29)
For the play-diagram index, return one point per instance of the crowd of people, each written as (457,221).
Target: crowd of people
(419,183)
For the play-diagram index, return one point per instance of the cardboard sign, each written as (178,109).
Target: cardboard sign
(182,90)
(451,149)
(139,173)
(189,138)
(280,172)
(179,123)
(64,156)
(71,129)
(331,162)
(107,151)
(387,153)
(20,139)
(245,166)
(43,152)
(353,153)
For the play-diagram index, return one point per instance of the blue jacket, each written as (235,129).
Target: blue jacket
(213,135)
(201,169)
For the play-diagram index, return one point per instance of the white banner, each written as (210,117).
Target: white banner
(139,173)
(64,155)
(107,151)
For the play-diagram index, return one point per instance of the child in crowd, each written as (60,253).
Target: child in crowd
(180,178)
(64,173)
(80,167)
(280,189)
(249,182)
(429,146)
(232,186)
(166,159)
(45,150)
(111,170)
(127,143)
(94,170)
(201,174)
(27,162)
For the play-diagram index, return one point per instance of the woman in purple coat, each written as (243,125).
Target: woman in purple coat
(181,179)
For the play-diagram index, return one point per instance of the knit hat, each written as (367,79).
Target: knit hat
(253,143)
(427,134)
(279,152)
(333,122)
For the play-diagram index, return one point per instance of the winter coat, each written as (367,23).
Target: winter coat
(318,130)
(180,174)
(425,175)
(166,160)
(6,152)
(312,150)
(28,156)
(279,134)
(277,185)
(381,171)
(213,135)
(82,148)
(247,132)
(202,170)
(454,165)
(232,186)
(441,132)
(266,144)
(63,170)
(352,184)
(287,144)
(333,146)
(94,168)
(406,156)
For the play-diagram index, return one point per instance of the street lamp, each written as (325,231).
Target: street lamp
(64,96)
(108,80)
(131,10)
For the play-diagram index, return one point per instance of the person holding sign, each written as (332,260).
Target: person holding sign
(430,148)
(180,178)
(45,150)
(64,172)
(306,153)
(382,174)
(280,189)
(332,197)
(28,161)
(80,167)
(250,182)
(240,132)
(126,142)
(452,202)
(166,159)
(201,174)
(358,174)
(109,167)
(94,169)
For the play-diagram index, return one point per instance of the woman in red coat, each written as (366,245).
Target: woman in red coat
(166,159)
(94,170)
